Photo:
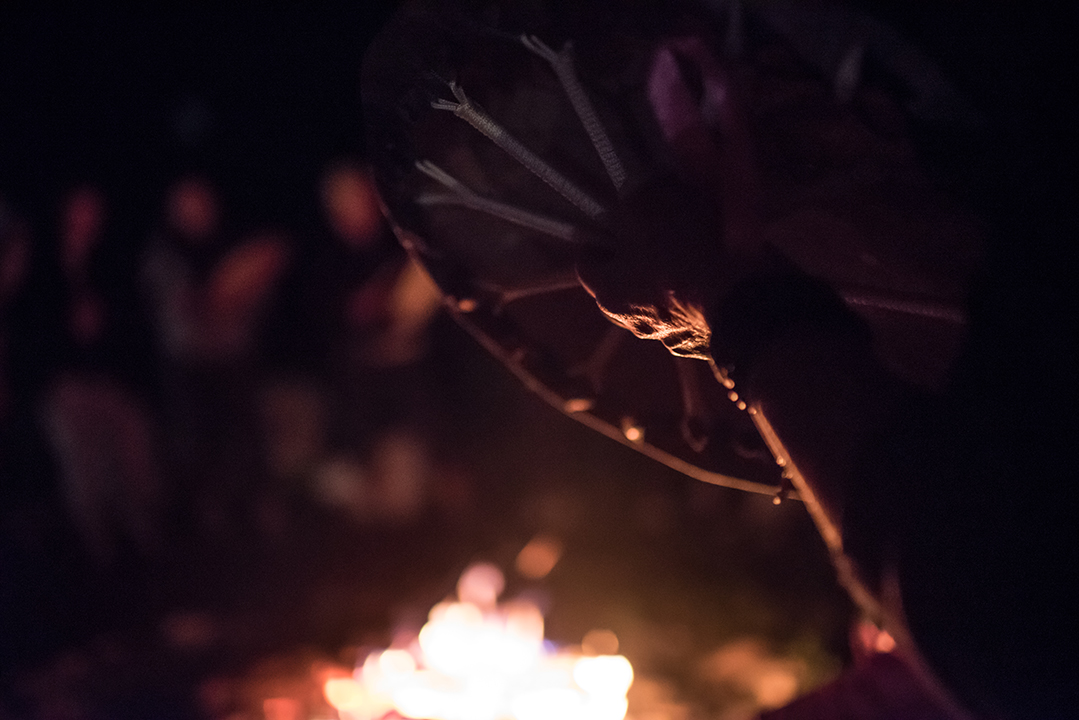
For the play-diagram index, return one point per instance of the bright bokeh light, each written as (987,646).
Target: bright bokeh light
(396,662)
(481,585)
(885,643)
(476,659)
(633,432)
(558,703)
(775,689)
(538,557)
(344,693)
(606,675)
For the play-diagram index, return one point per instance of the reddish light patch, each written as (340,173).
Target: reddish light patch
(192,210)
(351,204)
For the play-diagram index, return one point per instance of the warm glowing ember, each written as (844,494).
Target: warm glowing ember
(539,557)
(477,659)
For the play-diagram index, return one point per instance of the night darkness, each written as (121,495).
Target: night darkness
(130,99)
(260,104)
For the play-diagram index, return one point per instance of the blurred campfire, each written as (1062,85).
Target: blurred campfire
(265,520)
(477,660)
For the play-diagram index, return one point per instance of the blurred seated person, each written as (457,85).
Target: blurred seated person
(209,296)
(14,264)
(99,428)
(357,302)
(351,333)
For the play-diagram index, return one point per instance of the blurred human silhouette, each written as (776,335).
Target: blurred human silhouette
(341,417)
(14,263)
(209,298)
(98,428)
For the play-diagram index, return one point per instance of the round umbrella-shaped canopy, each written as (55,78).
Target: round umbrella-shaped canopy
(508,138)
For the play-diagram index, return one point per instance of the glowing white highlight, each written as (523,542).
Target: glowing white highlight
(477,659)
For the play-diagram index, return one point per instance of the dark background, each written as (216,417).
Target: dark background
(260,102)
(131,98)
